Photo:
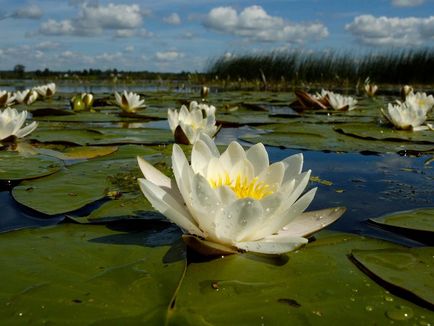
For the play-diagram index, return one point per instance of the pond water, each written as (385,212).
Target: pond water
(108,257)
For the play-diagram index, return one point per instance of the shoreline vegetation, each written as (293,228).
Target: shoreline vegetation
(274,71)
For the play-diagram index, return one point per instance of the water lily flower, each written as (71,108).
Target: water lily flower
(237,200)
(371,89)
(11,122)
(47,90)
(405,91)
(6,98)
(129,102)
(204,91)
(82,102)
(341,102)
(406,115)
(309,101)
(187,124)
(420,100)
(27,96)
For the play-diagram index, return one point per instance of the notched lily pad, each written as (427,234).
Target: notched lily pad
(14,166)
(408,270)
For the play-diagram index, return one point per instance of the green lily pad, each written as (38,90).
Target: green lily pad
(38,112)
(85,117)
(127,206)
(87,275)
(324,138)
(78,185)
(317,285)
(88,152)
(374,131)
(103,136)
(410,270)
(14,166)
(417,224)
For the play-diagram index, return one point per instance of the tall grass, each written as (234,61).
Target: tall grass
(400,66)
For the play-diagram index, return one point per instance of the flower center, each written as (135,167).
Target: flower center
(242,186)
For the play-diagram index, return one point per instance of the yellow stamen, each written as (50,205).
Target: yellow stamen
(242,186)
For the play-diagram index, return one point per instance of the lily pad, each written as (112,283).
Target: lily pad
(324,138)
(88,152)
(103,136)
(14,166)
(87,275)
(417,224)
(374,131)
(409,270)
(317,285)
(76,186)
(85,117)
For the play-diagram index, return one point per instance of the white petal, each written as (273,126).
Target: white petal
(293,166)
(26,130)
(309,222)
(152,174)
(200,157)
(279,220)
(168,206)
(182,172)
(239,220)
(300,184)
(258,156)
(172,117)
(226,195)
(210,143)
(205,204)
(273,175)
(233,154)
(280,246)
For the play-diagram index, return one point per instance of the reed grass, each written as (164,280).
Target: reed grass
(391,67)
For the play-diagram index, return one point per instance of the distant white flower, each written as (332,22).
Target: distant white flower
(47,90)
(129,102)
(420,100)
(370,89)
(27,96)
(11,122)
(188,124)
(405,91)
(6,98)
(341,102)
(236,200)
(405,115)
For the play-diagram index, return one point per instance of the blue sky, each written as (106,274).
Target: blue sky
(177,35)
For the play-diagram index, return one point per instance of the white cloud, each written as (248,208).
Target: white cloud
(143,32)
(111,16)
(94,19)
(47,45)
(392,31)
(29,11)
(172,19)
(407,3)
(168,56)
(53,27)
(254,23)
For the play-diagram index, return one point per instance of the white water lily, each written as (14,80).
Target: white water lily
(47,90)
(341,102)
(405,115)
(129,102)
(188,124)
(371,89)
(420,100)
(11,122)
(6,98)
(27,96)
(236,200)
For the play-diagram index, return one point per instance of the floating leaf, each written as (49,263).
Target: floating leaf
(88,275)
(417,224)
(410,270)
(317,285)
(14,166)
(88,152)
